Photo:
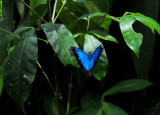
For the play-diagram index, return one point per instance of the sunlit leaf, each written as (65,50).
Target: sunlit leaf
(132,39)
(128,86)
(100,69)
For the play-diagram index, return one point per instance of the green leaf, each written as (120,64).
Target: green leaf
(111,109)
(132,39)
(89,16)
(103,35)
(21,68)
(128,86)
(60,39)
(152,24)
(90,44)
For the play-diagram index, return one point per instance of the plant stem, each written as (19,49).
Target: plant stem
(54,10)
(5,31)
(49,10)
(53,20)
(46,77)
(69,95)
(88,24)
(33,11)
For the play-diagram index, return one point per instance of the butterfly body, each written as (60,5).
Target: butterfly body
(87,61)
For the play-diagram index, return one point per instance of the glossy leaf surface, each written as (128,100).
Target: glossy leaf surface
(132,39)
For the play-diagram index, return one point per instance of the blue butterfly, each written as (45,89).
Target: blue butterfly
(87,61)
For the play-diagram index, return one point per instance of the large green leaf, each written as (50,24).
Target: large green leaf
(6,48)
(60,39)
(128,86)
(132,39)
(90,44)
(91,104)
(21,68)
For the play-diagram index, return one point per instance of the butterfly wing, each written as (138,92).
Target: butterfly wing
(95,56)
(81,57)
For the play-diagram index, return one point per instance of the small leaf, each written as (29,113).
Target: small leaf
(89,16)
(103,35)
(128,86)
(60,39)
(21,68)
(132,39)
(100,69)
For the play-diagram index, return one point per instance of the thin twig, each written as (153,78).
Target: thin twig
(33,11)
(69,95)
(46,77)
(5,31)
(54,10)
(53,20)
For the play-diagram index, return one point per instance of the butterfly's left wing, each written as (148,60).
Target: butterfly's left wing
(95,56)
(81,57)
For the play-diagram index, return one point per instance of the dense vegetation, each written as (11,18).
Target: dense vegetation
(39,76)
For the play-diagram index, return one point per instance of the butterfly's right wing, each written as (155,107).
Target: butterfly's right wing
(81,57)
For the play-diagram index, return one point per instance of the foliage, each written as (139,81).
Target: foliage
(79,23)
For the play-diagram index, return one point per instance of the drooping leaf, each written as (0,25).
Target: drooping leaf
(103,35)
(100,69)
(60,39)
(21,68)
(128,86)
(132,39)
(149,22)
